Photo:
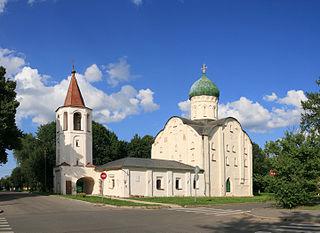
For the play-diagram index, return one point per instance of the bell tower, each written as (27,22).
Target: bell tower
(73,128)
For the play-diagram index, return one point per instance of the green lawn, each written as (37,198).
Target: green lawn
(187,201)
(106,200)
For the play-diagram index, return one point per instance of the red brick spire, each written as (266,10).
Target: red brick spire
(74,97)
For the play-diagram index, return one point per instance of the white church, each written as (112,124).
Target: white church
(219,147)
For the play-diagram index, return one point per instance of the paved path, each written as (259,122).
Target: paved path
(209,211)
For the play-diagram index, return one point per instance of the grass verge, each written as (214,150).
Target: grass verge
(309,207)
(190,201)
(105,200)
(313,205)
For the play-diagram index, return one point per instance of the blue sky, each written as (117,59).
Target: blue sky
(138,59)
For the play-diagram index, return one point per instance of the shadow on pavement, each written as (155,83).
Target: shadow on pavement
(10,196)
(288,221)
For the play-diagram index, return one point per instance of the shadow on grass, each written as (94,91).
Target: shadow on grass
(289,222)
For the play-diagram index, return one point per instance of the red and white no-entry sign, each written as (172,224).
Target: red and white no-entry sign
(103,175)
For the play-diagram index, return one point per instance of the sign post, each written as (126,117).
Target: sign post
(196,178)
(103,176)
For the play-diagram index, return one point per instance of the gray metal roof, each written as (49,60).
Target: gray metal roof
(131,162)
(204,127)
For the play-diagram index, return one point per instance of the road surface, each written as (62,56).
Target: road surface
(26,213)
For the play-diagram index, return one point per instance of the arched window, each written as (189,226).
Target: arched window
(65,121)
(77,121)
(228,186)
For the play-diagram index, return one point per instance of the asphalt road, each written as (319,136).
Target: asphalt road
(26,213)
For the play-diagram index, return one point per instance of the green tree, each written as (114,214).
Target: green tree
(25,157)
(297,165)
(140,147)
(5,183)
(9,133)
(46,138)
(261,168)
(310,120)
(36,157)
(105,145)
(17,178)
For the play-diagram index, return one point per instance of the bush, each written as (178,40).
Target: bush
(296,161)
(289,194)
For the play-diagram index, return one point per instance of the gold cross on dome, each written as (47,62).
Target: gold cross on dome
(204,68)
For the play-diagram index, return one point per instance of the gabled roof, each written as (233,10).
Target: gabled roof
(204,126)
(131,162)
(74,97)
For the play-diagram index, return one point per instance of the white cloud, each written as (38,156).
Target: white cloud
(185,107)
(3,4)
(31,2)
(293,98)
(38,101)
(119,72)
(10,60)
(255,117)
(137,2)
(271,97)
(252,115)
(146,100)
(93,73)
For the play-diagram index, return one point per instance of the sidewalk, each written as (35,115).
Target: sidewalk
(147,202)
(273,213)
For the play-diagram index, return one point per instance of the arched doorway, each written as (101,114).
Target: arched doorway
(228,186)
(85,185)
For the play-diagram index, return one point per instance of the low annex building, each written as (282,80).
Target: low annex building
(219,147)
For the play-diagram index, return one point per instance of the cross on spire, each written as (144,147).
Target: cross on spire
(204,68)
(73,70)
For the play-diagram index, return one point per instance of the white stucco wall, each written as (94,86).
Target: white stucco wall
(64,173)
(73,146)
(138,182)
(237,149)
(120,182)
(178,142)
(204,107)
(226,153)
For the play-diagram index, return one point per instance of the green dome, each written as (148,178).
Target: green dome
(204,86)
